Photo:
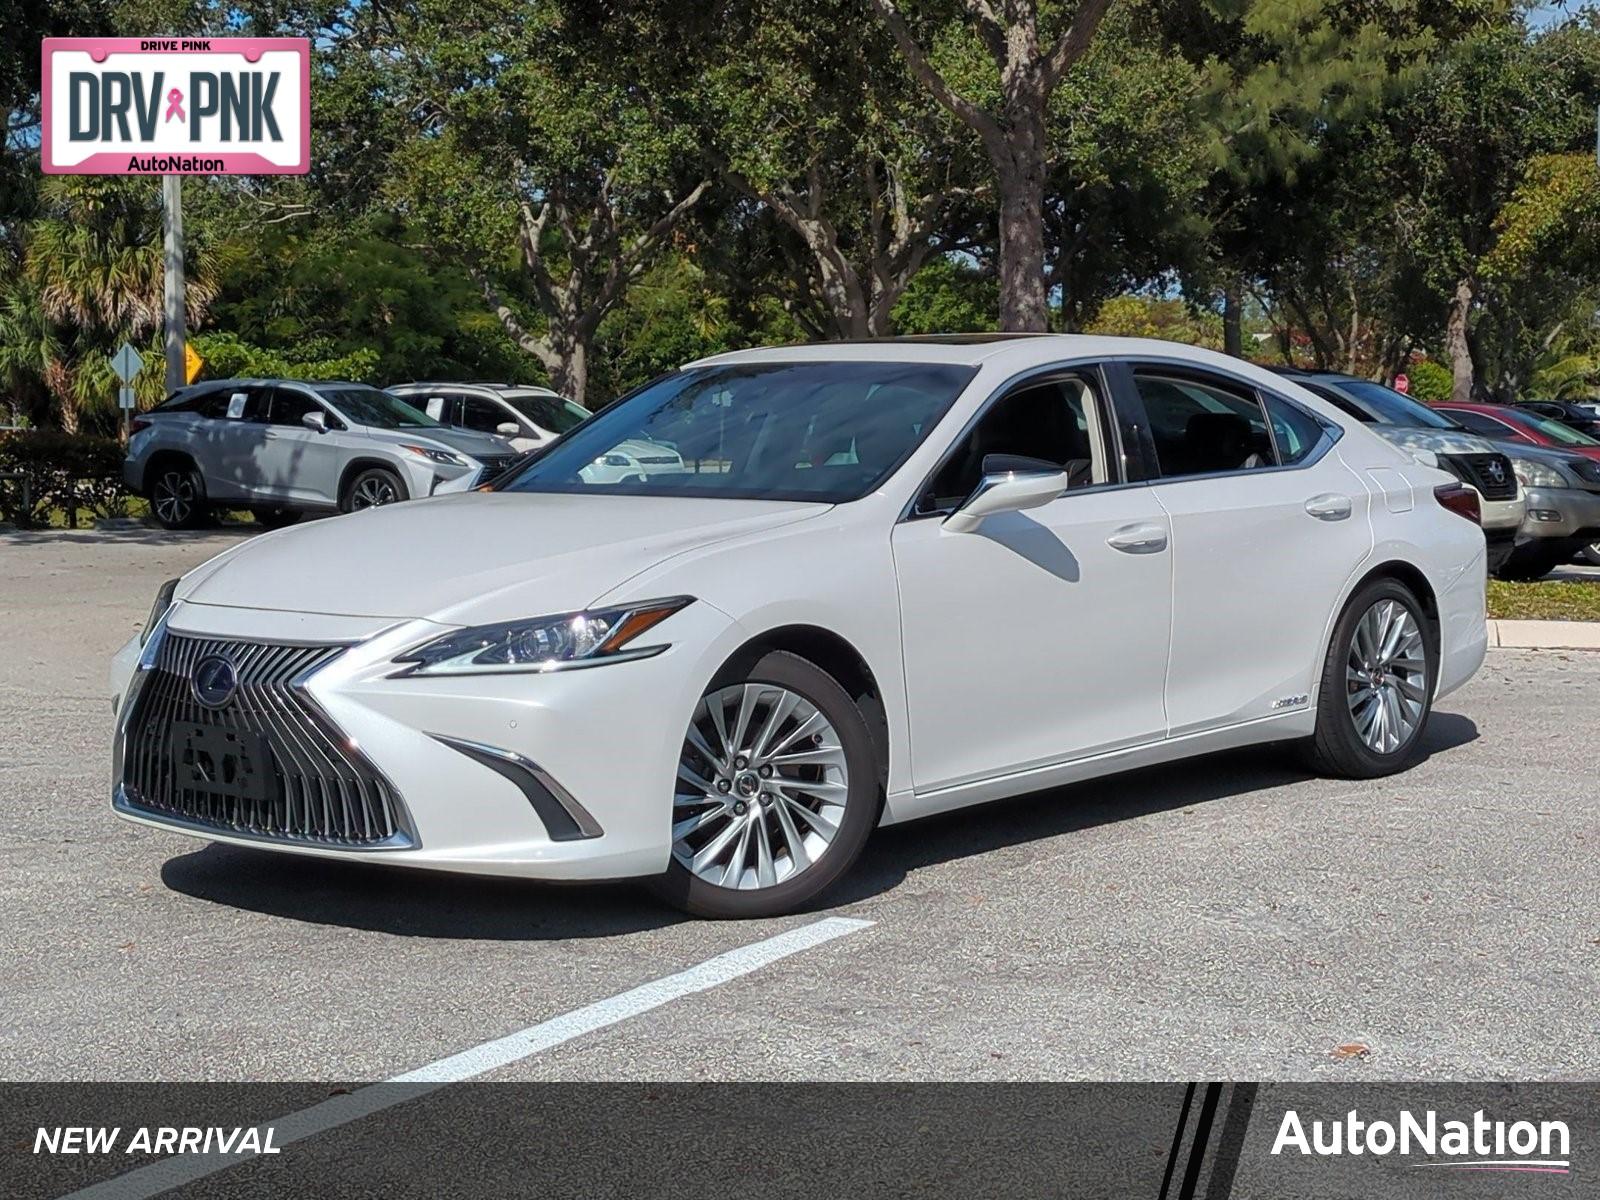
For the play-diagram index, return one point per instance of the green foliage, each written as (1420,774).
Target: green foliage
(1168,319)
(1430,381)
(226,357)
(67,472)
(673,316)
(948,296)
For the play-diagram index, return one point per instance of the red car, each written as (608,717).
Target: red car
(1506,424)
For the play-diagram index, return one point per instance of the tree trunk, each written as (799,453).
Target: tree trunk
(569,368)
(1457,345)
(1024,303)
(1233,319)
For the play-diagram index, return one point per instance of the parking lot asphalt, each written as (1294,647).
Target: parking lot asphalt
(1224,918)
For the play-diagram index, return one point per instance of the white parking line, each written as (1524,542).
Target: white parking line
(341,1110)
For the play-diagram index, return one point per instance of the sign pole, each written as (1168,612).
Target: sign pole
(173,291)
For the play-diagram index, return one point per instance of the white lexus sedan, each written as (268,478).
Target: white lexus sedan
(892,579)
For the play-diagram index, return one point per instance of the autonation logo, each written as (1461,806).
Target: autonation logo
(1480,1144)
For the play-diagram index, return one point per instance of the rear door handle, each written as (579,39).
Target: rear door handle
(1139,539)
(1329,506)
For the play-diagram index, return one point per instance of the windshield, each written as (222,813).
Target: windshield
(1562,435)
(368,406)
(1393,408)
(829,431)
(547,412)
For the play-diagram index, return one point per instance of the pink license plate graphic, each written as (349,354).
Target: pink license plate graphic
(176,106)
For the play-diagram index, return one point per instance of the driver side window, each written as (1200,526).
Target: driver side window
(1055,421)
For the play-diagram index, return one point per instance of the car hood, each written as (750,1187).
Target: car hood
(475,558)
(466,441)
(1440,441)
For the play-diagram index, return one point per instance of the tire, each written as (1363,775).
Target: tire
(372,488)
(1527,564)
(1590,554)
(276,518)
(1360,738)
(178,496)
(766,802)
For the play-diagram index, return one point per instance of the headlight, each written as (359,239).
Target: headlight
(1539,475)
(611,460)
(158,609)
(438,456)
(1426,457)
(558,643)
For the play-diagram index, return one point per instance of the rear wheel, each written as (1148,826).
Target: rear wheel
(1376,692)
(178,496)
(777,791)
(372,488)
(1591,554)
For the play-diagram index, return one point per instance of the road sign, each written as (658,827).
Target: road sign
(1402,383)
(125,397)
(127,363)
(192,363)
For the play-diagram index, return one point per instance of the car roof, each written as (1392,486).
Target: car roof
(488,385)
(1474,406)
(1012,350)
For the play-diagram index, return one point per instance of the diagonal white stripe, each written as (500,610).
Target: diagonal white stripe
(341,1110)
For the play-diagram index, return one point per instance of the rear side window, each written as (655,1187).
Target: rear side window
(483,415)
(1295,432)
(1203,428)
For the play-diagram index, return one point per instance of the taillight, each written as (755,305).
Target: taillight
(1459,499)
(137,424)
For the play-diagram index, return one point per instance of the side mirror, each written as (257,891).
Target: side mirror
(508,429)
(1010,483)
(315,420)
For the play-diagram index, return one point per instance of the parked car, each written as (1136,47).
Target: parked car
(1413,426)
(282,448)
(1566,465)
(1582,416)
(927,574)
(526,416)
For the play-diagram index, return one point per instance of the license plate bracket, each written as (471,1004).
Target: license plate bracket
(224,762)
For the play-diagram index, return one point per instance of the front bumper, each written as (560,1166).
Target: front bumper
(601,743)
(1571,514)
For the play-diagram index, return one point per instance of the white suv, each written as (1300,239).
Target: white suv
(526,416)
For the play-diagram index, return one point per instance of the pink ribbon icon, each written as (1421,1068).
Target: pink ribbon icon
(174,106)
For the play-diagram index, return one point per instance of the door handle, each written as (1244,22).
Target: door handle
(1329,506)
(1139,539)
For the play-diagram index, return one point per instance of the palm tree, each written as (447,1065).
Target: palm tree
(93,260)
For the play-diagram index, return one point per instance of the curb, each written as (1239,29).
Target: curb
(1545,635)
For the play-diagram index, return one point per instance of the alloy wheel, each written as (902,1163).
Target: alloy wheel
(761,788)
(373,492)
(1386,676)
(174,498)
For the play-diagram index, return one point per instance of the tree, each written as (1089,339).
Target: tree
(540,169)
(805,113)
(1011,123)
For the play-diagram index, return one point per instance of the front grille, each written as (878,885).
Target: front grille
(321,788)
(659,460)
(494,464)
(1480,471)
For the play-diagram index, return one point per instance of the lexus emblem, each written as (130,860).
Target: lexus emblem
(1497,473)
(214,681)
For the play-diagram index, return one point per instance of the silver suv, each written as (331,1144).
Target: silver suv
(281,448)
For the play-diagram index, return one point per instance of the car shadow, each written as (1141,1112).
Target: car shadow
(897,851)
(426,904)
(410,903)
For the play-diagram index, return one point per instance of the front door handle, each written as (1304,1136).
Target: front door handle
(1329,506)
(1139,539)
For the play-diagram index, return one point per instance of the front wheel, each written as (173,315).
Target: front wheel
(1377,685)
(776,793)
(372,488)
(1591,554)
